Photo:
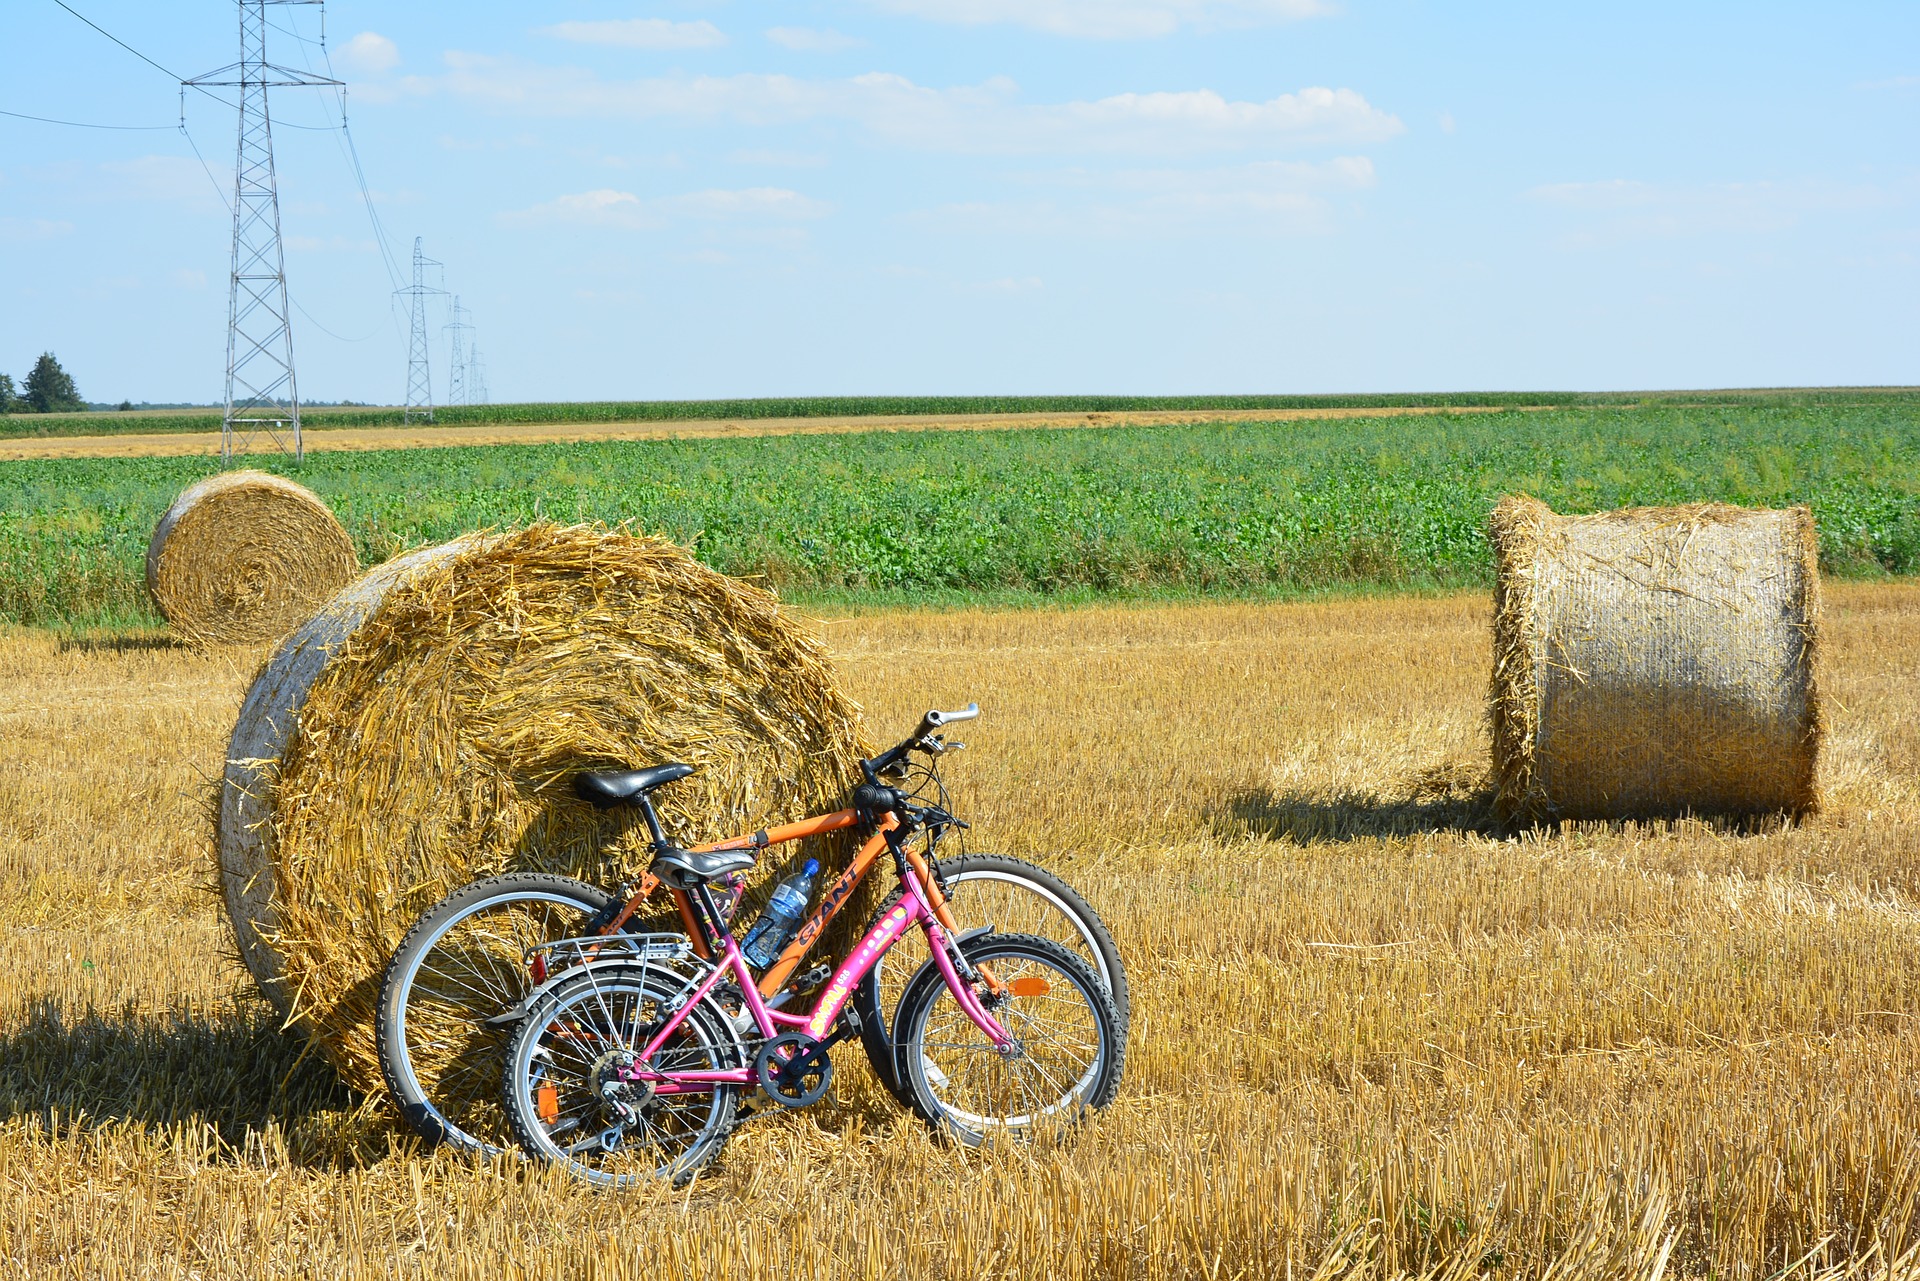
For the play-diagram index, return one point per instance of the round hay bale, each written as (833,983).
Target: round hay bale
(244,557)
(424,729)
(1654,662)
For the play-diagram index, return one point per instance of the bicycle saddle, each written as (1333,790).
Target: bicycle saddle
(607,788)
(689,868)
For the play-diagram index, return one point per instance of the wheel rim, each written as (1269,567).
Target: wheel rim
(570,1057)
(472,971)
(1061,1057)
(1009,903)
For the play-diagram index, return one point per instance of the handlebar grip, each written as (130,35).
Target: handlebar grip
(967,713)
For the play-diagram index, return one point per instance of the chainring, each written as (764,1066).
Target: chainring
(793,1069)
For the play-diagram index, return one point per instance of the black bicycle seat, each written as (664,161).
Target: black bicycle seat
(689,868)
(607,788)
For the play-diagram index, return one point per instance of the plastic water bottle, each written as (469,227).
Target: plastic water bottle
(785,910)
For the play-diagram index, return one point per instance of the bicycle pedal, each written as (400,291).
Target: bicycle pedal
(805,983)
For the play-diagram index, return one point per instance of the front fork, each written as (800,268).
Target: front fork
(943,941)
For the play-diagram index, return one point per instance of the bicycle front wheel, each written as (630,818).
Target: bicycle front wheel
(462,965)
(1066,1057)
(1015,897)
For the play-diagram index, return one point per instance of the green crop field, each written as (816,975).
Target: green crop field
(614,411)
(953,516)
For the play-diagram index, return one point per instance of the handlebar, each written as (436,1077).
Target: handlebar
(918,739)
(934,720)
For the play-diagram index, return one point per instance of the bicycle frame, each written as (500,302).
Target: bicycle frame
(915,908)
(802,942)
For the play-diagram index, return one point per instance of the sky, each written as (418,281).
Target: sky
(720,198)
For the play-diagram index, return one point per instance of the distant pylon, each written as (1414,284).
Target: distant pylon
(262,393)
(456,362)
(476,377)
(419,380)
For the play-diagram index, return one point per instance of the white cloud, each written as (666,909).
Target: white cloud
(811,39)
(639,33)
(14,230)
(1272,197)
(758,202)
(1005,286)
(602,208)
(1109,19)
(625,211)
(1620,208)
(1251,181)
(368,53)
(779,159)
(981,119)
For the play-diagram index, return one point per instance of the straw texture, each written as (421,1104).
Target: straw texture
(1654,662)
(245,557)
(424,730)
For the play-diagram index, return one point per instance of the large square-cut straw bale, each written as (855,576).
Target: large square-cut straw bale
(1654,662)
(245,557)
(424,729)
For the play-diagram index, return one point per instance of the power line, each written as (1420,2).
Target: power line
(135,52)
(218,190)
(353,159)
(322,328)
(78,124)
(116,39)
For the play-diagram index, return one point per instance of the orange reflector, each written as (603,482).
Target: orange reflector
(546,1101)
(1031,985)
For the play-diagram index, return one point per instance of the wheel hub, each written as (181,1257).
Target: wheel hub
(620,1099)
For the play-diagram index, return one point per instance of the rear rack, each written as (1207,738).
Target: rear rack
(564,954)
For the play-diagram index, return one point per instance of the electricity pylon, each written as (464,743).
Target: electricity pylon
(419,381)
(262,393)
(476,378)
(456,362)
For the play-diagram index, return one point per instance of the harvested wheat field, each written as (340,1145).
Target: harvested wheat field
(1372,1035)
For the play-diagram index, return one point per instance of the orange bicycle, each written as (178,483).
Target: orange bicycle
(460,982)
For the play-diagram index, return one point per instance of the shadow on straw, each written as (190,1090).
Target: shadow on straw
(1449,798)
(107,643)
(231,1071)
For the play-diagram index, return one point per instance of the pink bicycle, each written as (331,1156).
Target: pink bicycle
(632,1066)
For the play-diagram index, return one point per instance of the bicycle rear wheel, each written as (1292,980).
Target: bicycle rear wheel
(461,965)
(1015,897)
(568,1101)
(1066,1059)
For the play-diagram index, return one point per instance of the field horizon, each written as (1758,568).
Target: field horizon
(88,422)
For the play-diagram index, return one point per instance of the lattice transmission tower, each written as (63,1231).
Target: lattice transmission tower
(457,391)
(476,378)
(263,395)
(419,374)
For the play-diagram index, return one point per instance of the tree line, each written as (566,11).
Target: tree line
(48,389)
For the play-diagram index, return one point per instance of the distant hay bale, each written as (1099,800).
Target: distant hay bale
(1654,662)
(245,557)
(424,729)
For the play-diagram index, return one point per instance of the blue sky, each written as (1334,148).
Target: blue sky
(898,196)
